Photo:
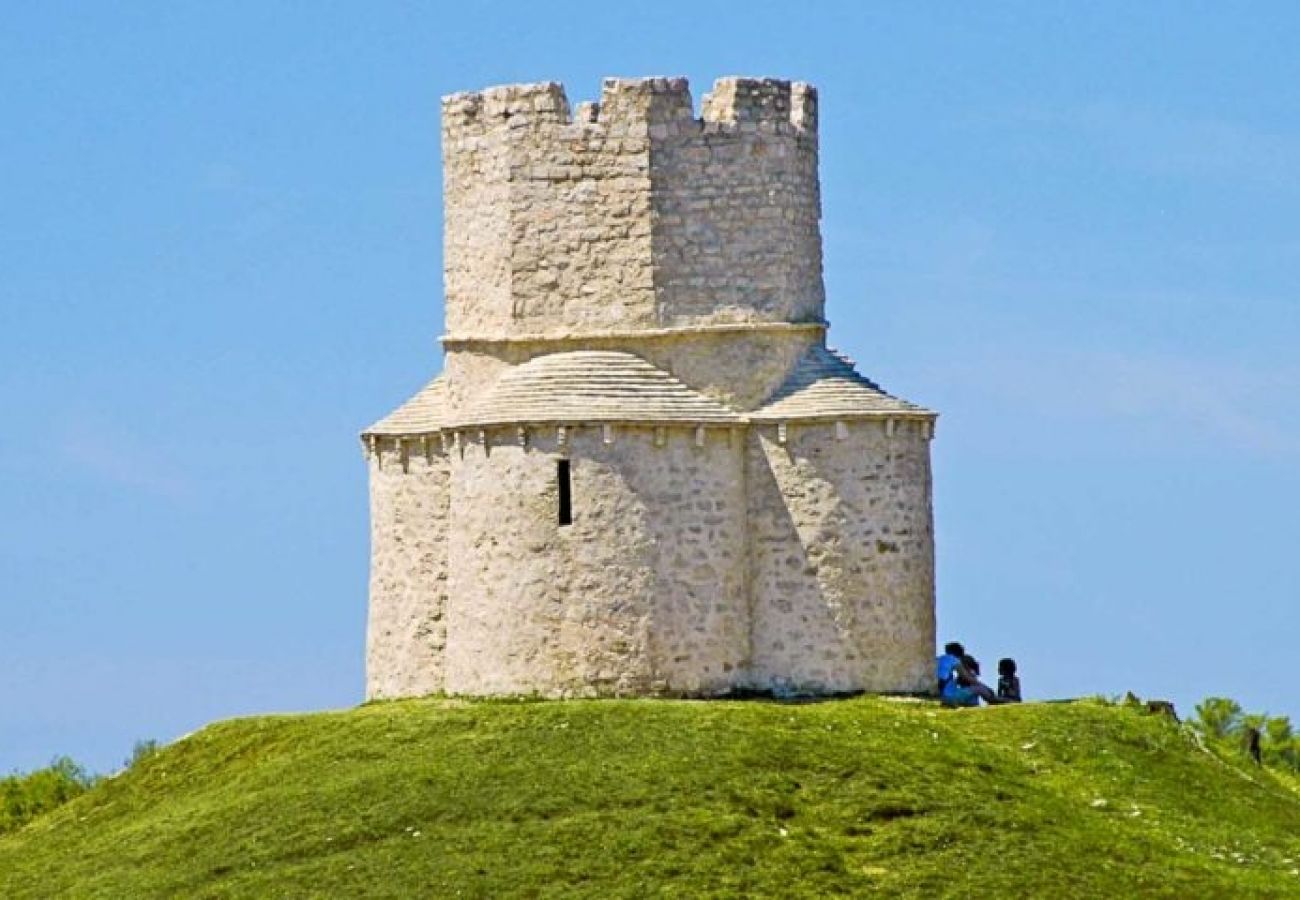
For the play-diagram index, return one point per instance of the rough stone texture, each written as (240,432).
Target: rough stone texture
(842,558)
(637,214)
(736,234)
(638,290)
(642,593)
(406,631)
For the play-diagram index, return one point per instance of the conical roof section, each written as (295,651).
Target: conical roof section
(592,386)
(824,385)
(424,413)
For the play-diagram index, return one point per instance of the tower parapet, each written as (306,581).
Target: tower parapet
(633,214)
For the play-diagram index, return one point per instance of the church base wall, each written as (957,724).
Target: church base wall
(642,594)
(842,559)
(406,631)
(689,569)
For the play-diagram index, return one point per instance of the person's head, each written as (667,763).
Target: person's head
(1006,667)
(952,648)
(971,663)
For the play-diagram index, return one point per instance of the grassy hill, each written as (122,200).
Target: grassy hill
(440,798)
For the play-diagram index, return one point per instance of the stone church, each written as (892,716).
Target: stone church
(642,470)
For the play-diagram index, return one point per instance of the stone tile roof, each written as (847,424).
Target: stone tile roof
(612,386)
(592,386)
(424,413)
(824,385)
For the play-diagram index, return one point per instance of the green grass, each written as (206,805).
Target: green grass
(629,798)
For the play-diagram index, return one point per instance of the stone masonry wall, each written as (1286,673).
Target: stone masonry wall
(737,209)
(655,588)
(406,632)
(842,558)
(632,214)
(580,226)
(476,184)
(642,594)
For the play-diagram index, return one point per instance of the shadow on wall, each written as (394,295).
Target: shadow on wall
(825,555)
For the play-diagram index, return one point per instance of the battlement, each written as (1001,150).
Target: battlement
(509,106)
(767,102)
(645,101)
(631,212)
(762,101)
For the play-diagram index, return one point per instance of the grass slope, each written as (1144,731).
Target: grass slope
(648,798)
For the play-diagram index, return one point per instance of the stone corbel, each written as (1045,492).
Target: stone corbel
(607,433)
(841,431)
(699,435)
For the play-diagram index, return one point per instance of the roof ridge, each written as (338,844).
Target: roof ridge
(592,385)
(425,411)
(824,383)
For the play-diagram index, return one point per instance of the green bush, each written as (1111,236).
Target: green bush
(141,752)
(1218,717)
(24,797)
(1224,722)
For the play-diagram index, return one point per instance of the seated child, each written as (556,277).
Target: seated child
(1008,683)
(971,678)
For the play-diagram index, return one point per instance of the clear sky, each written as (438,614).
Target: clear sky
(1073,229)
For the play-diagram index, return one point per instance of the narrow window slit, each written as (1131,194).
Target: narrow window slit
(565,492)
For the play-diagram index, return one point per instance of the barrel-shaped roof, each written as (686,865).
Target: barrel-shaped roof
(424,413)
(592,386)
(824,385)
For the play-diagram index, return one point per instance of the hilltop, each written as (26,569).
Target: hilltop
(637,798)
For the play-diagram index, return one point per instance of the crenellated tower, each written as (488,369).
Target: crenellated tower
(633,213)
(643,471)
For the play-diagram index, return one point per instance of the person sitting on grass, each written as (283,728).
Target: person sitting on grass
(1008,681)
(958,686)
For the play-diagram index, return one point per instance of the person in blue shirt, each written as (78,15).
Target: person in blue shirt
(958,685)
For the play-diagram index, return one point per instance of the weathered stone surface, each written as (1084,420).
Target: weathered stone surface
(643,593)
(407,631)
(638,292)
(637,214)
(842,558)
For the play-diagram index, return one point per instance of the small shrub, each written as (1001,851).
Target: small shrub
(1223,722)
(24,797)
(140,752)
(1217,717)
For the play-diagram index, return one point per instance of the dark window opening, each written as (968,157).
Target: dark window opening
(566,495)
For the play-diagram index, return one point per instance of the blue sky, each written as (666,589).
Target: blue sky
(1074,229)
